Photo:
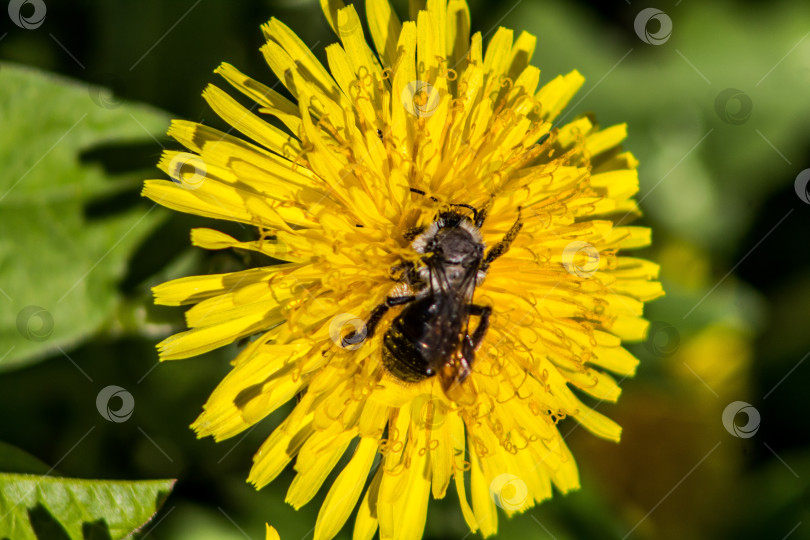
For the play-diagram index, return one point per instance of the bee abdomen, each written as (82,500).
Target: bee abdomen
(402,357)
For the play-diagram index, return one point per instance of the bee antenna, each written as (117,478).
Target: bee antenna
(422,193)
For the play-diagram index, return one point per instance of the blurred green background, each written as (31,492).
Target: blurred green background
(718,116)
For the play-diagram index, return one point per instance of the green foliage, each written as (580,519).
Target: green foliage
(15,460)
(36,505)
(70,218)
(67,508)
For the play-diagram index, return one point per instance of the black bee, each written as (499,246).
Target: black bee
(431,335)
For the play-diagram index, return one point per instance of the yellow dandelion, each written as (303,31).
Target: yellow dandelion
(449,283)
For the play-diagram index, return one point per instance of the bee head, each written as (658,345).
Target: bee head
(456,245)
(452,239)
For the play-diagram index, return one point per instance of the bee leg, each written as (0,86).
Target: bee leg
(503,246)
(483,324)
(405,272)
(461,366)
(481,215)
(374,319)
(382,309)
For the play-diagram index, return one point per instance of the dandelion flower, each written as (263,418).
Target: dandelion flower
(349,187)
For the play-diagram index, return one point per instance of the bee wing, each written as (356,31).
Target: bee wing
(468,285)
(462,293)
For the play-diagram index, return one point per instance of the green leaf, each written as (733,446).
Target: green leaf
(14,460)
(70,212)
(33,507)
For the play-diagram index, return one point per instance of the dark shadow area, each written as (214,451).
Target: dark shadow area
(45,526)
(96,530)
(132,159)
(172,237)
(778,268)
(112,204)
(785,254)
(125,158)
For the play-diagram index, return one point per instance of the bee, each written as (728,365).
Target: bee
(432,334)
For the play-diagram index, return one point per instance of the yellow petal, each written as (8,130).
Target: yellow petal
(496,59)
(555,95)
(606,139)
(314,466)
(342,496)
(251,125)
(193,289)
(277,451)
(458,34)
(485,511)
(363,62)
(330,9)
(271,533)
(521,54)
(365,525)
(207,338)
(299,52)
(271,101)
(385,28)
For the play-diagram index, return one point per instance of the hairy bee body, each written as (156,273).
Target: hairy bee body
(423,337)
(431,335)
